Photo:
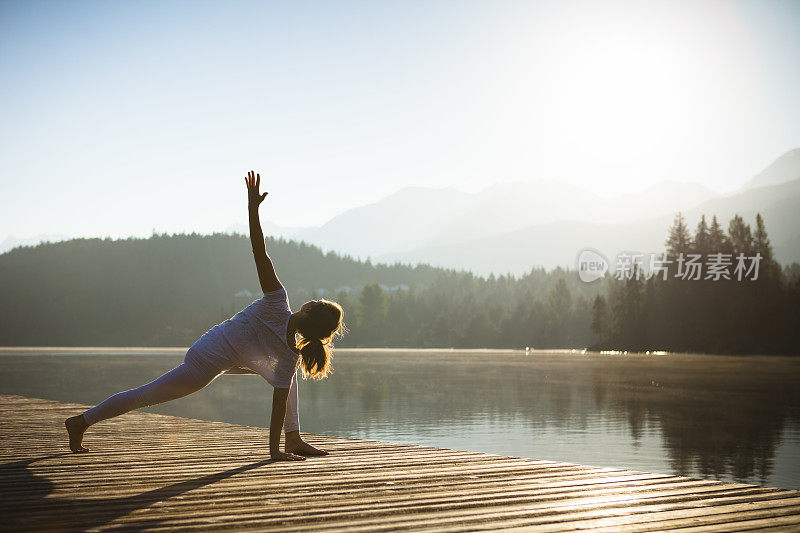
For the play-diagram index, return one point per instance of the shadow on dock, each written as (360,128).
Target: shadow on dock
(25,503)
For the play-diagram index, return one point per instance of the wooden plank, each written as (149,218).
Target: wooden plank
(158,472)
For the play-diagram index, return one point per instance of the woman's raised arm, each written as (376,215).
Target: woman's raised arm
(266,271)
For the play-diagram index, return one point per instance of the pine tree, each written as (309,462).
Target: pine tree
(701,238)
(769,268)
(761,240)
(679,240)
(717,240)
(740,236)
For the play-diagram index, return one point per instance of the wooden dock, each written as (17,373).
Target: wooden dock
(157,472)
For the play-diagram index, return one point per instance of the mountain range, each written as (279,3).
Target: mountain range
(513,227)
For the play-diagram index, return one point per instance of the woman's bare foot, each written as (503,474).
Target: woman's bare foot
(304,448)
(297,446)
(76,426)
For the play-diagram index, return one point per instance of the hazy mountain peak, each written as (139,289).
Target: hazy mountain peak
(785,168)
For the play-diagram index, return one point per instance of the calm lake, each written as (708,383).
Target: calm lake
(718,417)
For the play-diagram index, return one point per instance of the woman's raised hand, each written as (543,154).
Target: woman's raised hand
(253,182)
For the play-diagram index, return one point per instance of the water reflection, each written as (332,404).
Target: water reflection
(732,418)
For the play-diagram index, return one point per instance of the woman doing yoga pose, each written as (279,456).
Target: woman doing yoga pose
(265,338)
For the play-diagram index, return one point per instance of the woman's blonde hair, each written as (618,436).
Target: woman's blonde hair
(324,321)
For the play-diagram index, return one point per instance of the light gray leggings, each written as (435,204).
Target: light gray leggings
(186,378)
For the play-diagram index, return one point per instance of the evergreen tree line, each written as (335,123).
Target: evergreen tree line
(539,309)
(684,310)
(168,289)
(165,290)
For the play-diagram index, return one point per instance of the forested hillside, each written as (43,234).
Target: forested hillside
(168,289)
(163,290)
(711,296)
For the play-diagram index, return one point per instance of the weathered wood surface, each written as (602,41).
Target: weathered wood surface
(157,472)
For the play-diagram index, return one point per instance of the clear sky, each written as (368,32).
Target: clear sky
(123,117)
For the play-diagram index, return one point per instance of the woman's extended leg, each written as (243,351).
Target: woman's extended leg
(178,382)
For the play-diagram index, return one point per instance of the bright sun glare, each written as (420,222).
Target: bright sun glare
(626,85)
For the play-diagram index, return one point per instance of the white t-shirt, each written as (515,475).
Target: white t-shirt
(257,335)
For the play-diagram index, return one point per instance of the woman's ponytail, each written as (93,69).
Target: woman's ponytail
(317,329)
(316,359)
